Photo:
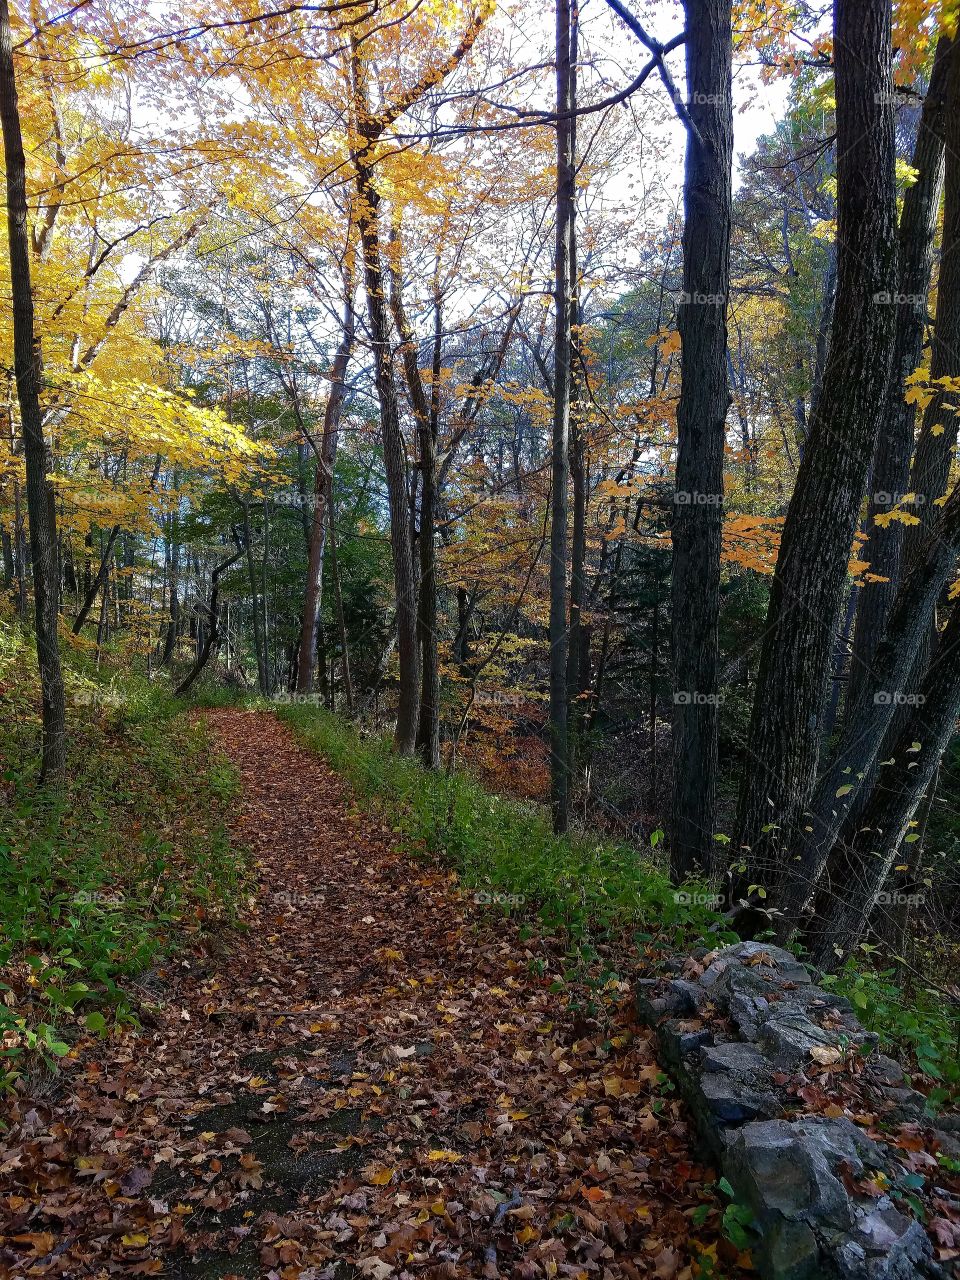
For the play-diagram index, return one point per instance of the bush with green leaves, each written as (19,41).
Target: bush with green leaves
(100,876)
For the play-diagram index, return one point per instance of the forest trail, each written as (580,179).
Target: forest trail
(373,1079)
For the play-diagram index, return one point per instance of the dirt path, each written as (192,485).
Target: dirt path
(374,1079)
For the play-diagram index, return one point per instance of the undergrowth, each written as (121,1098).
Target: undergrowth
(101,877)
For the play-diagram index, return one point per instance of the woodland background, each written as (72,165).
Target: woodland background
(449,367)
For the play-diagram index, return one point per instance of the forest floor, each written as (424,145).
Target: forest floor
(372,1076)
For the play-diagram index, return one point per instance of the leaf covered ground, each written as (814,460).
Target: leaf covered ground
(375,1076)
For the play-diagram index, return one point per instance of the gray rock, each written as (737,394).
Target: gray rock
(784,964)
(790,1252)
(732,1101)
(736,1057)
(887,1245)
(782,1169)
(678,1042)
(788,1036)
(883,1070)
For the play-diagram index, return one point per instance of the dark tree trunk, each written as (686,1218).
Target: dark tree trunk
(338,600)
(884,694)
(856,872)
(425,416)
(891,467)
(310,620)
(212,639)
(394,449)
(98,581)
(701,414)
(805,600)
(937,442)
(29,377)
(257,619)
(565,274)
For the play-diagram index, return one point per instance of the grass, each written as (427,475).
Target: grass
(99,879)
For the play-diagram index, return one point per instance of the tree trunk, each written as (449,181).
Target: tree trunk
(425,416)
(212,640)
(884,695)
(891,467)
(856,873)
(324,476)
(29,377)
(704,398)
(394,449)
(805,599)
(565,274)
(98,581)
(258,645)
(338,601)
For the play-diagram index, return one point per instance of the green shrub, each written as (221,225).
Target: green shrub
(100,877)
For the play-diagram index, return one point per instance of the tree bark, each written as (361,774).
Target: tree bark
(394,449)
(704,398)
(565,274)
(41,511)
(856,872)
(310,621)
(891,467)
(425,416)
(338,600)
(212,638)
(98,581)
(806,596)
(884,694)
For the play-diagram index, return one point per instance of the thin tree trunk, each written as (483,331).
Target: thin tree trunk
(565,275)
(807,592)
(310,620)
(704,398)
(212,640)
(255,602)
(29,376)
(338,602)
(428,730)
(98,581)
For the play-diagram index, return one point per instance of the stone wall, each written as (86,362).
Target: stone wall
(742,1030)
